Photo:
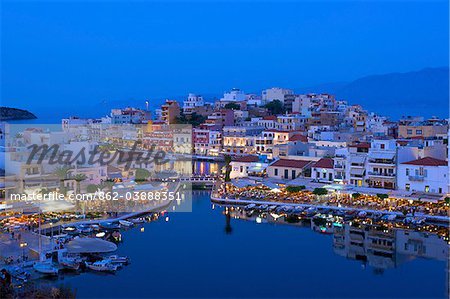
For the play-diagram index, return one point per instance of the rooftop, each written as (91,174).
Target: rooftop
(427,161)
(291,163)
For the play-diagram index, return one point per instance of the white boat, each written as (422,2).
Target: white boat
(46,267)
(362,214)
(126,223)
(115,259)
(102,266)
(68,261)
(137,220)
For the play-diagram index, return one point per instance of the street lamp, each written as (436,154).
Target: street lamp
(23,245)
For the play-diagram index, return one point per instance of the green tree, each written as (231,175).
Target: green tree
(382,196)
(320,191)
(141,174)
(63,174)
(294,189)
(78,178)
(91,188)
(356,195)
(275,107)
(232,106)
(447,200)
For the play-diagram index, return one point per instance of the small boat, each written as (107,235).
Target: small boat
(137,220)
(70,264)
(249,207)
(126,223)
(19,274)
(263,208)
(389,217)
(115,259)
(109,225)
(102,266)
(362,214)
(100,235)
(272,208)
(46,267)
(418,220)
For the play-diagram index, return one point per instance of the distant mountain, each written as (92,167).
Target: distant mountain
(424,92)
(7,113)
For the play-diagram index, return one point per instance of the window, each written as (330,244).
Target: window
(293,174)
(276,171)
(409,132)
(440,190)
(286,174)
(427,188)
(382,146)
(407,171)
(407,187)
(418,132)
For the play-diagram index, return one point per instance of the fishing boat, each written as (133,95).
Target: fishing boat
(102,266)
(68,261)
(126,223)
(362,214)
(249,207)
(46,267)
(115,259)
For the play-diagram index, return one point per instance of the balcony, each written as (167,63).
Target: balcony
(416,178)
(382,174)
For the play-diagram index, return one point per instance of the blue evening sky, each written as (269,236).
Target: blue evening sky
(63,55)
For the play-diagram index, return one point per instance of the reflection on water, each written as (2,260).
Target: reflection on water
(188,167)
(375,245)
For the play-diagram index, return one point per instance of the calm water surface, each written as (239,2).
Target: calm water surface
(196,255)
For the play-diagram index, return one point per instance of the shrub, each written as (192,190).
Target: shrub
(382,195)
(141,175)
(320,191)
(293,189)
(356,195)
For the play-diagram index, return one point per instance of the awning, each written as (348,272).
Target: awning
(90,245)
(382,156)
(256,169)
(357,171)
(357,159)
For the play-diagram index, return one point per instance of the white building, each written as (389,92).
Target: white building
(275,93)
(192,102)
(323,170)
(423,175)
(381,166)
(247,166)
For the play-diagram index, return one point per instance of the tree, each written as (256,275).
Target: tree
(320,191)
(194,119)
(62,173)
(108,185)
(382,196)
(227,168)
(356,195)
(232,106)
(91,188)
(78,178)
(275,107)
(141,174)
(294,189)
(447,200)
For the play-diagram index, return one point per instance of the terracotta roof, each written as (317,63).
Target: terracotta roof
(270,117)
(299,137)
(247,159)
(291,163)
(360,145)
(324,163)
(427,161)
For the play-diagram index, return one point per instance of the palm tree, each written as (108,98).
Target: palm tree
(78,178)
(62,173)
(106,185)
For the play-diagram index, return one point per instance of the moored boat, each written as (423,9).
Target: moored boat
(46,267)
(102,266)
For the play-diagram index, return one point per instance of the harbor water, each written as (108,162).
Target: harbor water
(204,253)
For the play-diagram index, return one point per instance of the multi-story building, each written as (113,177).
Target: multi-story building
(423,129)
(275,93)
(323,170)
(357,159)
(170,110)
(192,102)
(381,166)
